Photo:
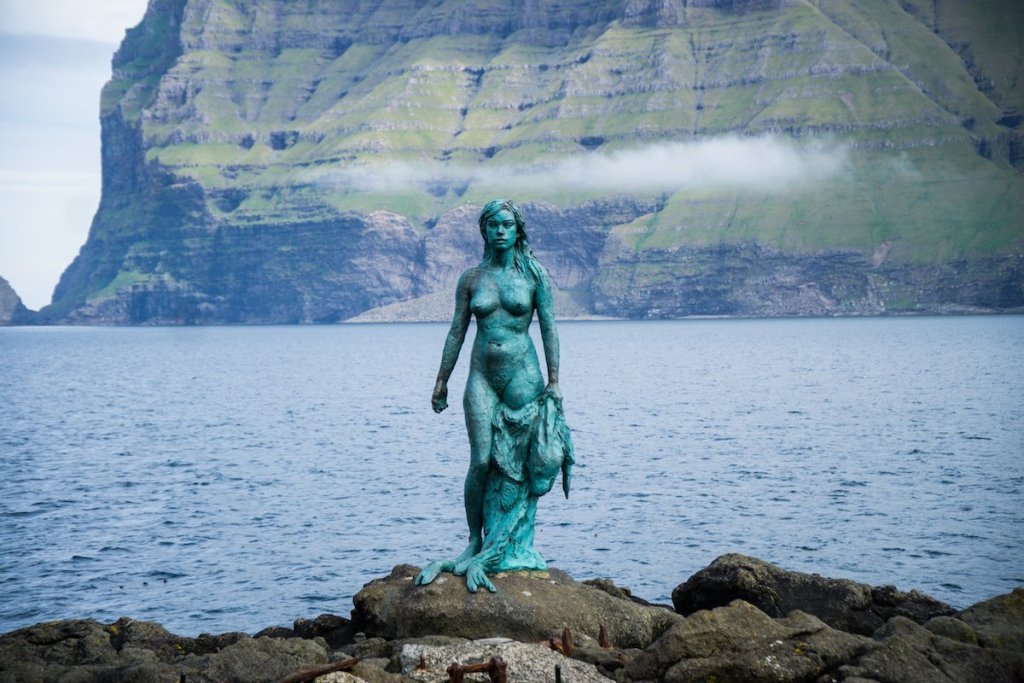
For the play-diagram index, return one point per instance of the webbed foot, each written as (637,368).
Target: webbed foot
(432,570)
(477,577)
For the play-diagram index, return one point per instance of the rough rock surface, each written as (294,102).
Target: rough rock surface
(906,651)
(527,662)
(998,622)
(528,607)
(410,633)
(840,603)
(130,650)
(741,643)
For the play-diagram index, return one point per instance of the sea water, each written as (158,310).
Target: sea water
(232,478)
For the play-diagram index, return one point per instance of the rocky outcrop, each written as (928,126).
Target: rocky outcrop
(536,624)
(275,162)
(741,643)
(840,603)
(129,650)
(997,623)
(528,607)
(12,311)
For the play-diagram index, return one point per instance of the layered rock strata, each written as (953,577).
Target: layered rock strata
(310,162)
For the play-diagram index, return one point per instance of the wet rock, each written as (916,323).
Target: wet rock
(528,607)
(998,622)
(842,604)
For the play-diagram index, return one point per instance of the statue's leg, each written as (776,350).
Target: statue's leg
(479,403)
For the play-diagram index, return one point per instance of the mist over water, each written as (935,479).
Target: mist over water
(219,479)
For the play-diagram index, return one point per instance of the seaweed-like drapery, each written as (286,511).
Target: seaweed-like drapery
(529,446)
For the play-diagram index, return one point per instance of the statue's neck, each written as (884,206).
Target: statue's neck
(501,259)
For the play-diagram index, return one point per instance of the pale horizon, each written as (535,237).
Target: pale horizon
(55,59)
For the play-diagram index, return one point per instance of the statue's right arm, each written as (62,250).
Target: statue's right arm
(453,342)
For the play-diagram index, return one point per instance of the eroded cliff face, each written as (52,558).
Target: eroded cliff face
(12,310)
(307,162)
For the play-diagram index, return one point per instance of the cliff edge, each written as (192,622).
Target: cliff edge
(276,162)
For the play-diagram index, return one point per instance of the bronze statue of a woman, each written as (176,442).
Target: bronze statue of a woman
(518,438)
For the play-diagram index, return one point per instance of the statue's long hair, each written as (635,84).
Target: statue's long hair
(522,255)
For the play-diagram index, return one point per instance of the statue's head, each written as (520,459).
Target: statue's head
(522,255)
(496,206)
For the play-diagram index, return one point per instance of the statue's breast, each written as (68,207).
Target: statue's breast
(516,296)
(485,301)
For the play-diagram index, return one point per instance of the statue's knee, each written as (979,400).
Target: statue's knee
(477,471)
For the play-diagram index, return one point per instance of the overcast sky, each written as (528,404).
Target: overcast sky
(54,58)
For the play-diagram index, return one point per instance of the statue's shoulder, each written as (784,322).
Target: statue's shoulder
(469,277)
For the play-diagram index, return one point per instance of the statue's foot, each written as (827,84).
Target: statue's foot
(432,570)
(477,577)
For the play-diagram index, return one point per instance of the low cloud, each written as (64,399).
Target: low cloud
(763,164)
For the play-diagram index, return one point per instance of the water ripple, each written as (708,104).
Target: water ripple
(174,474)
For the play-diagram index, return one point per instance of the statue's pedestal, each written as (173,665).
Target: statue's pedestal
(528,606)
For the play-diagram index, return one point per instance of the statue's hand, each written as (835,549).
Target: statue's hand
(553,391)
(439,401)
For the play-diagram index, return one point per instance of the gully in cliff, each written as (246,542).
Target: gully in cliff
(518,438)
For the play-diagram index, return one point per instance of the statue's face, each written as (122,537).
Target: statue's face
(500,230)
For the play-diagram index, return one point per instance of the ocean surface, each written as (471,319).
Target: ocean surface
(232,478)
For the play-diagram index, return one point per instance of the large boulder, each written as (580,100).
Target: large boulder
(741,643)
(528,606)
(999,622)
(842,604)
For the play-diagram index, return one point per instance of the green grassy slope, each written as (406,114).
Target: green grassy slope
(868,76)
(275,113)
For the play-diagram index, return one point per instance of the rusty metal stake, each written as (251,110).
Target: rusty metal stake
(496,669)
(317,671)
(602,638)
(567,646)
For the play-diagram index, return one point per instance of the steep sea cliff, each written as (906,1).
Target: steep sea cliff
(273,162)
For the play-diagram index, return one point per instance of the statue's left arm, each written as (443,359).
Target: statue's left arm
(545,303)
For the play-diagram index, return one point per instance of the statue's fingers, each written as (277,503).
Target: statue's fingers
(477,577)
(429,573)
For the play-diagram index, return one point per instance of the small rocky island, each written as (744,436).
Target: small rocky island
(739,619)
